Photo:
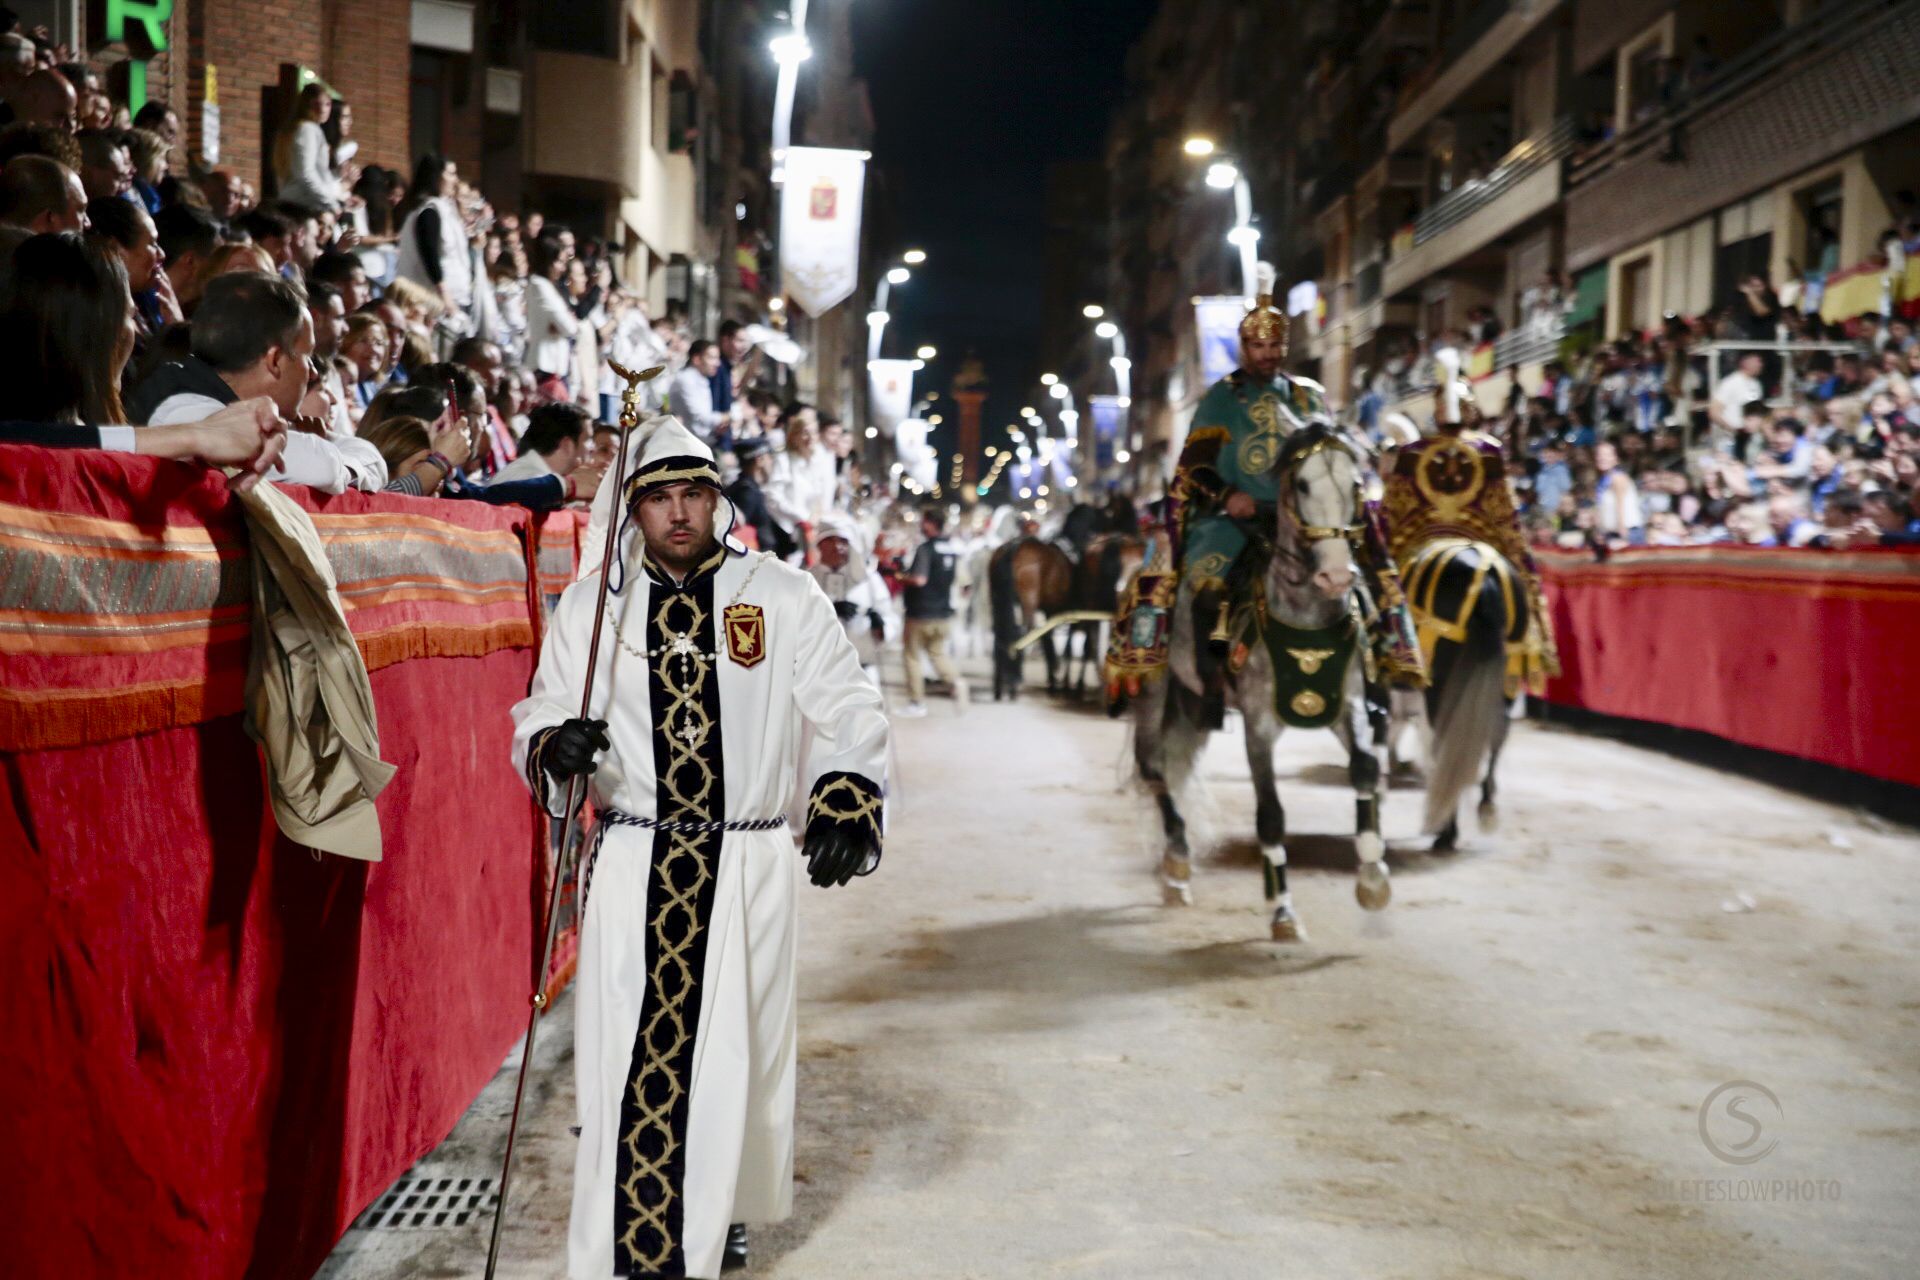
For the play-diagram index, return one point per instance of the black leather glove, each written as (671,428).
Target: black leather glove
(847,610)
(570,748)
(835,855)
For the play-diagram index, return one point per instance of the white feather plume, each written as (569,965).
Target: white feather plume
(1265,279)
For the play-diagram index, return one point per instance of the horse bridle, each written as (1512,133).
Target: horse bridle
(1319,533)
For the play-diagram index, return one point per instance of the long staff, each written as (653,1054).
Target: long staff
(576,792)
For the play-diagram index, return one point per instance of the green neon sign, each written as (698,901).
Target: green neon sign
(150,18)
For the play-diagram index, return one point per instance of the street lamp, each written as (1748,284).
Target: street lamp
(926,352)
(877,318)
(1093,311)
(1049,379)
(1106,329)
(1224,175)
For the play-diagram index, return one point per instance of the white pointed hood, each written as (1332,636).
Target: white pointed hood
(660,451)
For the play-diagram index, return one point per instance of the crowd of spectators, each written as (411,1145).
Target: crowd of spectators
(1644,441)
(355,327)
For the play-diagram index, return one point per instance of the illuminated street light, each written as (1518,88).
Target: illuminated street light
(790,50)
(1241,237)
(776,304)
(926,353)
(1073,482)
(1199,148)
(914,257)
(1026,411)
(1121,455)
(1042,491)
(1106,329)
(878,317)
(899,275)
(1026,493)
(873,433)
(1049,379)
(1120,364)
(1058,391)
(934,419)
(1221,176)
(1093,311)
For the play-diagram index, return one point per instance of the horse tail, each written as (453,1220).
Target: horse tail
(1469,697)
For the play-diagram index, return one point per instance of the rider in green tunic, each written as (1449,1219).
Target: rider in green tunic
(1226,471)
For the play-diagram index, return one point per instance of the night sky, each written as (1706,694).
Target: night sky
(972,99)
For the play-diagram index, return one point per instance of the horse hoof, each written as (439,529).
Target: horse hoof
(1489,815)
(1373,890)
(1287,926)
(1176,879)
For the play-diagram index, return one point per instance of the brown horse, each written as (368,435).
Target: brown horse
(1029,578)
(1108,561)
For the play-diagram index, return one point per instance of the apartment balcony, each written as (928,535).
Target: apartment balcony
(1525,183)
(586,119)
(1806,95)
(1485,37)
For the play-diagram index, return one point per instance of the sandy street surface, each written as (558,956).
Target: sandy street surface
(1016,1062)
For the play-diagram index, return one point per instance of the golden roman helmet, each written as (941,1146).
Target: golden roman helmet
(1266,322)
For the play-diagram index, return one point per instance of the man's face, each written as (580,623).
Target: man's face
(570,454)
(833,552)
(1784,440)
(835,437)
(329,326)
(170,128)
(928,529)
(708,362)
(396,322)
(489,367)
(354,290)
(74,216)
(734,346)
(1262,356)
(1751,365)
(288,368)
(114,178)
(676,522)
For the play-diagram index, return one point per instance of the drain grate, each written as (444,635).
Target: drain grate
(422,1204)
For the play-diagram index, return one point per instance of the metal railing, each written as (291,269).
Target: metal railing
(1549,146)
(1529,344)
(1813,36)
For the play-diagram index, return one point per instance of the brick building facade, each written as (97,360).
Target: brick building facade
(359,47)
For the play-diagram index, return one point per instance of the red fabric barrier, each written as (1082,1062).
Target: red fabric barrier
(220,1048)
(1807,653)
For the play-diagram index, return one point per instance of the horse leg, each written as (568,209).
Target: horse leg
(1158,722)
(1270,821)
(1489,812)
(1447,838)
(1368,715)
(1052,652)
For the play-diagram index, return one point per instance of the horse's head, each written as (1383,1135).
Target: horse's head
(1320,501)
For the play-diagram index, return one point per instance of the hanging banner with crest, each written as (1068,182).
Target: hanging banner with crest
(820,226)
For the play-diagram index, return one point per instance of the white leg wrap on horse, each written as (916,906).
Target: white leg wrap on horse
(1276,854)
(1371,847)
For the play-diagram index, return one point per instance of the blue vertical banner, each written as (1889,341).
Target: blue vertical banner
(1109,425)
(1216,325)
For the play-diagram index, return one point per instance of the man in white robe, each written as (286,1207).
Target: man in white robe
(711,664)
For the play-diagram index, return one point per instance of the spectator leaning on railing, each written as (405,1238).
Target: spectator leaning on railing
(253,335)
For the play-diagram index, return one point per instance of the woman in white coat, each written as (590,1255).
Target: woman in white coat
(302,156)
(551,324)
